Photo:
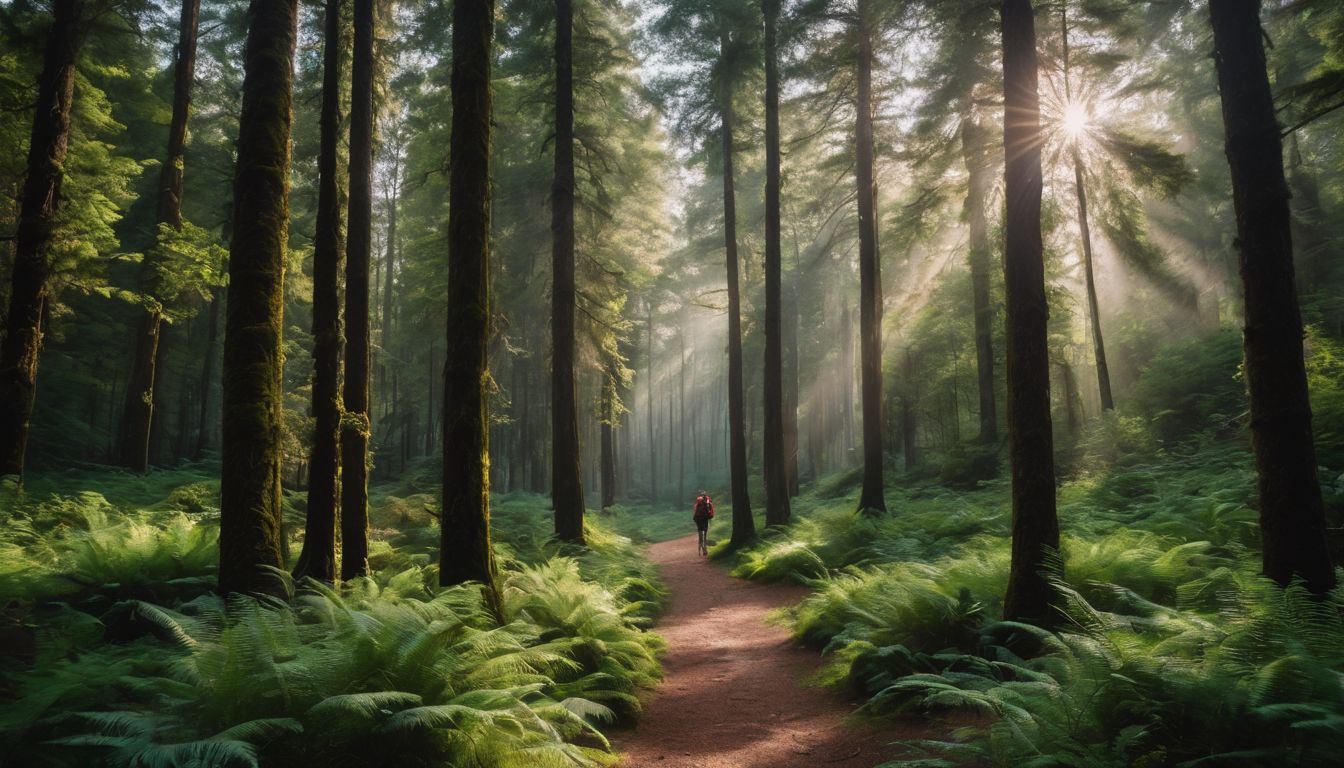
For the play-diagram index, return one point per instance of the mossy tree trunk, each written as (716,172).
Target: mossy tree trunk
(465,553)
(1035,527)
(318,558)
(355,422)
(250,522)
(566,476)
(871,497)
(975,144)
(776,477)
(744,526)
(1292,519)
(39,204)
(143,388)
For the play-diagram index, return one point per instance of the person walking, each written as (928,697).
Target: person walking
(704,512)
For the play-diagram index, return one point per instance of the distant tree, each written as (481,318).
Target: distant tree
(776,474)
(143,385)
(318,558)
(1035,527)
(250,513)
(40,205)
(465,553)
(566,475)
(1292,519)
(355,424)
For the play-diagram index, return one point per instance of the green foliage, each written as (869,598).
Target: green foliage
(144,666)
(1176,652)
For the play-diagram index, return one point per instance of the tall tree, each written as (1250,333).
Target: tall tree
(465,553)
(355,425)
(143,385)
(39,207)
(318,558)
(744,526)
(776,476)
(872,495)
(1035,527)
(250,523)
(610,421)
(1084,227)
(1292,520)
(975,142)
(566,476)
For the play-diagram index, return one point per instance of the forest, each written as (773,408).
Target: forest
(368,366)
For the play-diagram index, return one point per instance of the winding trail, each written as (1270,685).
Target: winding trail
(733,695)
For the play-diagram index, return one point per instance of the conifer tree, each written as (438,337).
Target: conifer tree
(250,513)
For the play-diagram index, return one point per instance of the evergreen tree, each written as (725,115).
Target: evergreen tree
(465,553)
(143,387)
(776,475)
(40,205)
(566,475)
(355,423)
(250,521)
(318,558)
(1292,520)
(1035,527)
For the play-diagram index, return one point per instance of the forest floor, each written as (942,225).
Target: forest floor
(735,693)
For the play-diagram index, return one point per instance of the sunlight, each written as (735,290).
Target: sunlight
(1075,120)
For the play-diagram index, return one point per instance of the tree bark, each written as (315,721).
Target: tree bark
(648,396)
(38,208)
(608,459)
(790,333)
(250,514)
(744,526)
(975,152)
(465,553)
(1035,527)
(318,558)
(142,394)
(355,424)
(566,480)
(870,276)
(203,421)
(776,476)
(1292,519)
(1093,307)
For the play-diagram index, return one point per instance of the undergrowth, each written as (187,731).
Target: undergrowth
(118,653)
(1174,650)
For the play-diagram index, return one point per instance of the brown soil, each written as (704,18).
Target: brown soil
(735,694)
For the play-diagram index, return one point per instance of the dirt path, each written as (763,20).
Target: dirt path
(733,696)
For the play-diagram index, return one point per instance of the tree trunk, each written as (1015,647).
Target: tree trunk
(870,275)
(566,480)
(776,476)
(1093,308)
(975,151)
(142,393)
(318,558)
(203,421)
(744,526)
(790,334)
(681,416)
(250,514)
(1292,520)
(909,422)
(355,424)
(648,396)
(608,460)
(465,553)
(38,210)
(389,314)
(1031,444)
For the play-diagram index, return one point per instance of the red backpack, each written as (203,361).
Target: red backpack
(704,507)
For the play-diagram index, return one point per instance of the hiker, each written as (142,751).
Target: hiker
(704,510)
